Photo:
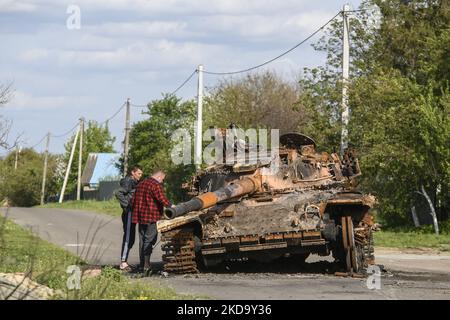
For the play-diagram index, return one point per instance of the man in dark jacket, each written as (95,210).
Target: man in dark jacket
(124,195)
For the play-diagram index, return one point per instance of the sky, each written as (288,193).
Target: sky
(138,49)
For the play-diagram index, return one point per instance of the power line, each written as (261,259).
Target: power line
(208,72)
(38,143)
(279,56)
(173,92)
(114,115)
(138,105)
(358,10)
(76,125)
(184,83)
(66,133)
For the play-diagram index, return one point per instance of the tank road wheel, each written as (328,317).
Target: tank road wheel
(179,251)
(346,245)
(353,253)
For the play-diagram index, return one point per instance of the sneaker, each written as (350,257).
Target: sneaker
(125,267)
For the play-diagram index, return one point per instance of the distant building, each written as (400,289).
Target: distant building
(100,167)
(101,176)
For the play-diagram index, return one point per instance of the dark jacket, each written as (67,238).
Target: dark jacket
(126,191)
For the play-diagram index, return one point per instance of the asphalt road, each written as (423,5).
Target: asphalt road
(97,238)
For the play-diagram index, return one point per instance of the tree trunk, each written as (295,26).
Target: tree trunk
(432,212)
(414,216)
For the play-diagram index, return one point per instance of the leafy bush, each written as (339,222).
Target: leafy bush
(22,186)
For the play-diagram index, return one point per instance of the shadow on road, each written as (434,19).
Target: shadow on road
(278,266)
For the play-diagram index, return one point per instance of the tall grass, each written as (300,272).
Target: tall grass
(45,263)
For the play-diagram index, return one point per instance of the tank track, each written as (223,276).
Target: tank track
(357,251)
(179,251)
(364,241)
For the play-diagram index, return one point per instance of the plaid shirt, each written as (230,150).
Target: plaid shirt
(148,202)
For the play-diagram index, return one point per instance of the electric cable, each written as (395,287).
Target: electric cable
(277,57)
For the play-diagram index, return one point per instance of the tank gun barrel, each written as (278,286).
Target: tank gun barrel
(206,200)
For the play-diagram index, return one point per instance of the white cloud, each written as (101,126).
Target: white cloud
(157,7)
(283,26)
(137,56)
(27,101)
(35,54)
(137,29)
(16,6)
(172,44)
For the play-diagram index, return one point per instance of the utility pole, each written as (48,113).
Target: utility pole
(345,73)
(199,131)
(80,159)
(17,157)
(66,177)
(127,139)
(44,175)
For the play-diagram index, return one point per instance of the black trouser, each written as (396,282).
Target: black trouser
(147,239)
(129,234)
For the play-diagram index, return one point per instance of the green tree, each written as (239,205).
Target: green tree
(399,95)
(22,187)
(321,87)
(151,140)
(96,139)
(254,101)
(6,94)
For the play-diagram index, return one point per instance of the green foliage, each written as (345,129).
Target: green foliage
(96,139)
(113,285)
(413,239)
(261,100)
(388,147)
(444,228)
(22,187)
(412,38)
(151,141)
(21,251)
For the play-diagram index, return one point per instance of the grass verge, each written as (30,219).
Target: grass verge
(398,239)
(110,207)
(23,252)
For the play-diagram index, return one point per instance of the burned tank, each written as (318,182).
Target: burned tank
(293,203)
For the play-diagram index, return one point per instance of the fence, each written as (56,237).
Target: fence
(105,191)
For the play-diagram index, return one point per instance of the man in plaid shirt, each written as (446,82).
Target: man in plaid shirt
(148,205)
